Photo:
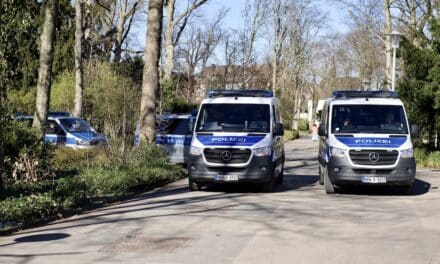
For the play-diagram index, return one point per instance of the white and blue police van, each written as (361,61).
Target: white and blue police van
(72,132)
(365,139)
(173,134)
(237,137)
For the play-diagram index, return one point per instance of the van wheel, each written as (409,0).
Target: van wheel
(280,178)
(321,176)
(193,186)
(329,187)
(269,186)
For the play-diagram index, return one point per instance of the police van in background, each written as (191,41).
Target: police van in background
(238,137)
(173,134)
(365,139)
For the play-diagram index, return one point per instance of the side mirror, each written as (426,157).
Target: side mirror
(322,131)
(415,130)
(279,130)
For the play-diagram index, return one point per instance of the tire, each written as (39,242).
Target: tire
(193,186)
(280,178)
(321,177)
(329,187)
(269,186)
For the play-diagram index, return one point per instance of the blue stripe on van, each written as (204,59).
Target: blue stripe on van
(372,142)
(229,140)
(173,140)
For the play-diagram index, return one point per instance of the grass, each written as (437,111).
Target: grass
(427,159)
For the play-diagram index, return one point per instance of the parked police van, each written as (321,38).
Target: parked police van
(365,138)
(73,132)
(238,137)
(174,134)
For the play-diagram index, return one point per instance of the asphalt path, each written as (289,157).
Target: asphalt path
(298,223)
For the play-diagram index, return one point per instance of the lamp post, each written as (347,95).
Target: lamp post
(395,40)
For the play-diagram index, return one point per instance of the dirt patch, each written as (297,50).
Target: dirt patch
(146,244)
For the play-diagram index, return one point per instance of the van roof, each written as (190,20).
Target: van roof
(240,100)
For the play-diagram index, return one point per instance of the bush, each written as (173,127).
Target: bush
(427,159)
(290,135)
(28,209)
(303,125)
(72,161)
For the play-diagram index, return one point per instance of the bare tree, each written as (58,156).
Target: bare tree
(45,68)
(79,37)
(254,17)
(231,45)
(107,25)
(125,21)
(174,28)
(150,83)
(368,15)
(280,11)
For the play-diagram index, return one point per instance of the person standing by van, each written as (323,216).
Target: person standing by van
(314,133)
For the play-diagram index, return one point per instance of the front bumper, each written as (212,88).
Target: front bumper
(259,170)
(341,172)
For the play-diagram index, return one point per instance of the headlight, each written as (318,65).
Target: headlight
(83,142)
(337,152)
(407,153)
(266,151)
(195,151)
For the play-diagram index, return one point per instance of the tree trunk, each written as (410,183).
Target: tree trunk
(169,40)
(388,49)
(45,68)
(79,36)
(150,83)
(2,125)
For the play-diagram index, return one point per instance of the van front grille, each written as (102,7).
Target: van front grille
(374,157)
(227,155)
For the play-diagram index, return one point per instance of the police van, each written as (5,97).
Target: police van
(73,132)
(173,134)
(365,139)
(238,137)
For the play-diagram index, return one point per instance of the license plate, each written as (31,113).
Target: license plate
(226,177)
(370,179)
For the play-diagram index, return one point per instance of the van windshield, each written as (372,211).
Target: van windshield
(234,118)
(75,125)
(380,119)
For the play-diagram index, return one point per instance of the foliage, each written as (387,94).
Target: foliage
(26,156)
(63,92)
(290,135)
(427,159)
(28,209)
(419,89)
(83,178)
(303,125)
(22,101)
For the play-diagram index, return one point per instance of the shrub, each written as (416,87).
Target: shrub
(28,209)
(290,135)
(72,161)
(303,125)
(427,159)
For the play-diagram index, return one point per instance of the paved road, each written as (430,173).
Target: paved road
(298,223)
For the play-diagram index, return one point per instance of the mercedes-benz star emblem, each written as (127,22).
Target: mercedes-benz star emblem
(226,155)
(374,156)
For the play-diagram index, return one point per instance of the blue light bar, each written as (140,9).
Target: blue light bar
(239,93)
(364,94)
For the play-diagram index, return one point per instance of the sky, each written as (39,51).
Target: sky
(233,19)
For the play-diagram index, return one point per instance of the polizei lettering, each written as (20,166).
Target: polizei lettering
(229,139)
(372,141)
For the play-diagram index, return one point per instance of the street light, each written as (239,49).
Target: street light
(395,40)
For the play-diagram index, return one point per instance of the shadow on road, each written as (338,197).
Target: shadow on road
(420,187)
